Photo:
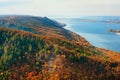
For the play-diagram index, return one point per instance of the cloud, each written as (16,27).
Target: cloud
(60,7)
(4,0)
(13,1)
(10,3)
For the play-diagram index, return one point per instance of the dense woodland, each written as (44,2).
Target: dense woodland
(53,55)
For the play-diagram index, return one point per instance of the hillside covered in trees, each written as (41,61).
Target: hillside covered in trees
(36,48)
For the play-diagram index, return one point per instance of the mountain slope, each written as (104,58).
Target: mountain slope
(27,55)
(28,21)
(38,25)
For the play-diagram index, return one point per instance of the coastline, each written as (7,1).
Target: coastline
(85,36)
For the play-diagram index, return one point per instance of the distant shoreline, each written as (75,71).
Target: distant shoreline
(97,39)
(92,20)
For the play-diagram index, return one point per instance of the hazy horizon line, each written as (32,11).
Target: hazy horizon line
(59,16)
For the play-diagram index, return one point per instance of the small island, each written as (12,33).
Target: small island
(117,31)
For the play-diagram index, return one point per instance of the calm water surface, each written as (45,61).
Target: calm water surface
(95,32)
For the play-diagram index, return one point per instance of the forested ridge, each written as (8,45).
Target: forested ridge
(53,55)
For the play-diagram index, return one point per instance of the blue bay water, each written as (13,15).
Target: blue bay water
(95,32)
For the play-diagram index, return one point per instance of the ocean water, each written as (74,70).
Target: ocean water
(96,32)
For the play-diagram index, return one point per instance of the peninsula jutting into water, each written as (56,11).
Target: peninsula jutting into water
(96,30)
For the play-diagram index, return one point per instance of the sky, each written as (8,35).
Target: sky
(60,8)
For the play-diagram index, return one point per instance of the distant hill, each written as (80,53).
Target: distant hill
(34,24)
(11,21)
(107,19)
(49,52)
